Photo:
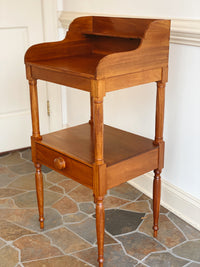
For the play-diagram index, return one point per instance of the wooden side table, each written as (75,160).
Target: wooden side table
(99,55)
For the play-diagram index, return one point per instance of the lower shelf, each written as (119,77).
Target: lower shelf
(126,155)
(77,142)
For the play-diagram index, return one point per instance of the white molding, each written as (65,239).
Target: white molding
(173,198)
(183,31)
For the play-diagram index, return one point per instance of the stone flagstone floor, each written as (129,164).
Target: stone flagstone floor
(69,237)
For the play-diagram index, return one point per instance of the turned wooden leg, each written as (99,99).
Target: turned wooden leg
(156,200)
(100,225)
(40,193)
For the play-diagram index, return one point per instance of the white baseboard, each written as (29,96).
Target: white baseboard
(173,198)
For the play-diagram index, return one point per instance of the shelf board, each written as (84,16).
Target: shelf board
(76,142)
(111,35)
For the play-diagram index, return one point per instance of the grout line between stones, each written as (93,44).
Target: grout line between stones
(90,216)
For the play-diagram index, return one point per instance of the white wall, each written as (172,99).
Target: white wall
(133,109)
(158,8)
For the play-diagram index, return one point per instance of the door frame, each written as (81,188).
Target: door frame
(54,96)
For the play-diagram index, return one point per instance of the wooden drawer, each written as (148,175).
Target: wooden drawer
(65,165)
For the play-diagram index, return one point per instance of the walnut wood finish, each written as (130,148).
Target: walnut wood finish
(156,200)
(160,100)
(40,193)
(100,224)
(59,163)
(99,55)
(34,109)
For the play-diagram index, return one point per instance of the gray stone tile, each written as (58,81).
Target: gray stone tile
(164,259)
(125,191)
(189,231)
(137,206)
(139,245)
(113,256)
(55,177)
(7,203)
(9,192)
(63,261)
(29,218)
(65,205)
(68,185)
(23,168)
(56,189)
(36,247)
(113,202)
(6,176)
(12,159)
(8,256)
(6,179)
(10,231)
(193,264)
(27,154)
(168,233)
(29,199)
(2,243)
(86,229)
(27,182)
(143,197)
(121,221)
(87,207)
(82,194)
(76,217)
(189,250)
(108,239)
(162,209)
(45,169)
(67,240)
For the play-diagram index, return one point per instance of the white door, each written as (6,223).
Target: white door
(22,23)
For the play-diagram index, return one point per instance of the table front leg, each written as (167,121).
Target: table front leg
(40,193)
(156,200)
(100,228)
(36,136)
(160,103)
(99,175)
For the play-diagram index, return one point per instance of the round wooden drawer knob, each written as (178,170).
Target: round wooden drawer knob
(59,163)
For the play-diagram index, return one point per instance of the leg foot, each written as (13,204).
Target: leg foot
(100,225)
(40,193)
(156,200)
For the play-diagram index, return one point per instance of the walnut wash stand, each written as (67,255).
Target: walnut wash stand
(99,55)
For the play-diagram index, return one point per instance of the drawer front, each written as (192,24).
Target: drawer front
(64,165)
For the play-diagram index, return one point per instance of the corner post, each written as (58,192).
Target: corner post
(36,136)
(99,167)
(160,102)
